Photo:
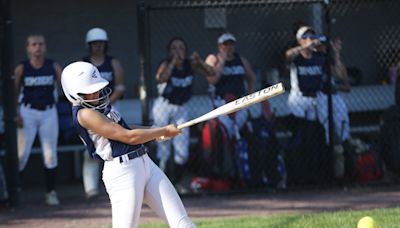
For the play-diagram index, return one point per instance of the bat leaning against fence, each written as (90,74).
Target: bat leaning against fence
(236,105)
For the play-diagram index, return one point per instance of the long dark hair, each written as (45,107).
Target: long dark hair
(176,39)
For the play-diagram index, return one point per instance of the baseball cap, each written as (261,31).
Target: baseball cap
(303,30)
(225,37)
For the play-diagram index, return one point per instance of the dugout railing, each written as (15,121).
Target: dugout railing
(368,30)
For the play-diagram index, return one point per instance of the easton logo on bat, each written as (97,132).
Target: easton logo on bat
(256,94)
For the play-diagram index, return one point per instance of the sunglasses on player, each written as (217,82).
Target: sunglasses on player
(321,38)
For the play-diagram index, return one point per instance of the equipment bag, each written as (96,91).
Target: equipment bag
(265,153)
(215,157)
(362,164)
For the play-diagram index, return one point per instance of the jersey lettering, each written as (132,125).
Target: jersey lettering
(43,80)
(233,70)
(310,70)
(182,82)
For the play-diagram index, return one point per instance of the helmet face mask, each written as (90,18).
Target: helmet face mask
(81,78)
(98,103)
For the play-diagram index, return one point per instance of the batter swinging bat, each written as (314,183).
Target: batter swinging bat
(236,105)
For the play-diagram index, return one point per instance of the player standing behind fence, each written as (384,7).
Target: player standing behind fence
(129,175)
(308,95)
(307,98)
(233,76)
(110,69)
(36,78)
(175,77)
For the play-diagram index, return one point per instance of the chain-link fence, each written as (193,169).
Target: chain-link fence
(283,141)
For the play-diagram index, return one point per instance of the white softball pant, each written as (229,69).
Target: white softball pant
(44,122)
(229,124)
(340,116)
(313,108)
(165,113)
(90,173)
(139,180)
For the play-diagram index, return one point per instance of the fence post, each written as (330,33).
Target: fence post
(144,70)
(328,22)
(9,109)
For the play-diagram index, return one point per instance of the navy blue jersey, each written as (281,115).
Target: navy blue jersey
(98,146)
(310,73)
(178,89)
(232,78)
(105,69)
(38,84)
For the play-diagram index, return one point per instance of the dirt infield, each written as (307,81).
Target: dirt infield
(76,211)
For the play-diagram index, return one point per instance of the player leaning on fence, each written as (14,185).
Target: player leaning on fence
(36,78)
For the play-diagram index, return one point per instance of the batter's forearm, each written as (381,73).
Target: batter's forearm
(140,136)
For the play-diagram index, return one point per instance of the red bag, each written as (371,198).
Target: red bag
(367,167)
(201,184)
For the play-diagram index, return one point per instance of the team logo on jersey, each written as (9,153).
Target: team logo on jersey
(233,70)
(182,82)
(42,80)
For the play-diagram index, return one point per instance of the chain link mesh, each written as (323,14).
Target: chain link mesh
(280,150)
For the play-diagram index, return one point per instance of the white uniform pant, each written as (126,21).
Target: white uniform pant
(139,180)
(313,108)
(165,113)
(46,123)
(340,116)
(91,173)
(229,124)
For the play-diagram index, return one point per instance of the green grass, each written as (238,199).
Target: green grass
(387,217)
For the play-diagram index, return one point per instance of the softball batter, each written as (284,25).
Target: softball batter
(129,175)
(36,78)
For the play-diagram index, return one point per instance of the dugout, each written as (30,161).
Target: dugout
(369,30)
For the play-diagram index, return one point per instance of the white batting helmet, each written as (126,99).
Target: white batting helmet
(96,34)
(80,78)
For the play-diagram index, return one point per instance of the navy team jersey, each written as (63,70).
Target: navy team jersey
(38,84)
(310,73)
(178,88)
(105,69)
(232,78)
(98,146)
